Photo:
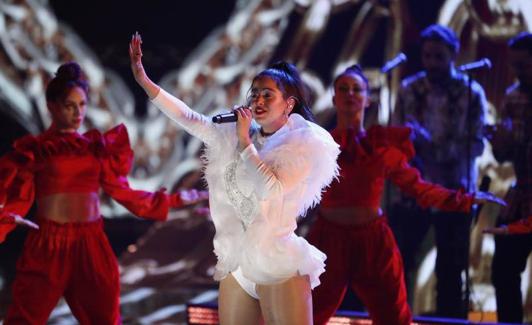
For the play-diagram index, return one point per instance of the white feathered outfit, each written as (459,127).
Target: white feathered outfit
(257,195)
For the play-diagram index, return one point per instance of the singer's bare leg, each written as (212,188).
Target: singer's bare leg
(287,303)
(235,306)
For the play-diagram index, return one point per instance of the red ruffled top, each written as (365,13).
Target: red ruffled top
(55,162)
(368,159)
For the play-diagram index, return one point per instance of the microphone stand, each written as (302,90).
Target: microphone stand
(389,82)
(388,68)
(388,187)
(469,131)
(468,69)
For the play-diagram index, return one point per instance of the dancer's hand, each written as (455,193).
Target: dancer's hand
(193,196)
(16,219)
(484,197)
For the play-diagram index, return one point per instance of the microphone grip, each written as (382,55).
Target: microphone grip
(225,118)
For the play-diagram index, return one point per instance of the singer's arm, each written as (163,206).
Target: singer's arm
(270,181)
(194,123)
(135,56)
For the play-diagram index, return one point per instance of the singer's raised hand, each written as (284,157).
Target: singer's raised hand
(135,57)
(243,124)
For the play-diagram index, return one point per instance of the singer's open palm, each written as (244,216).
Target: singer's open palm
(135,56)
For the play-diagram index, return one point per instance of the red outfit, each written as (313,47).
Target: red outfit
(366,257)
(72,259)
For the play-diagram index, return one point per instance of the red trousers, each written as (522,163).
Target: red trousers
(73,260)
(366,259)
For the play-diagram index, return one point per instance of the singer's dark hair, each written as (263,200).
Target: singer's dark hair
(288,80)
(69,75)
(356,70)
(522,41)
(442,34)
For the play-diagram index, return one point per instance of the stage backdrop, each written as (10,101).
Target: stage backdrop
(205,52)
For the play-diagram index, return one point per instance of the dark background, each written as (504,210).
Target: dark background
(170,31)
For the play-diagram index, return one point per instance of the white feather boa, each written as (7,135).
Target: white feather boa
(268,251)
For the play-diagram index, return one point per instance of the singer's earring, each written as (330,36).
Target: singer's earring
(287,111)
(291,102)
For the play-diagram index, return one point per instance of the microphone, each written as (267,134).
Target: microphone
(225,118)
(483,63)
(231,116)
(393,63)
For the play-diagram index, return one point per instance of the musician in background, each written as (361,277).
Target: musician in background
(512,141)
(435,104)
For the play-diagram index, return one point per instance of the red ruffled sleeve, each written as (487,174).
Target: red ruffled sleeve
(17,189)
(117,160)
(397,149)
(397,137)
